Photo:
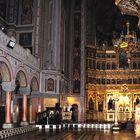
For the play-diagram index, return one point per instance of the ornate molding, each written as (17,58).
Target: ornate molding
(25,90)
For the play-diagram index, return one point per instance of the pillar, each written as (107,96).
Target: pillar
(8,87)
(30,110)
(36,106)
(24,91)
(39,104)
(116,112)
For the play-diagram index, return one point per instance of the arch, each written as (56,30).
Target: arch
(21,78)
(34,84)
(5,72)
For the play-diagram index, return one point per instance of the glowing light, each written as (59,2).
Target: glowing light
(124,45)
(70,100)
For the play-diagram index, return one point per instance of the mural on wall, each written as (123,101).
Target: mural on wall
(34,84)
(27,13)
(77,49)
(3,8)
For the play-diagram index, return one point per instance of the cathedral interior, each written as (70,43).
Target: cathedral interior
(81,55)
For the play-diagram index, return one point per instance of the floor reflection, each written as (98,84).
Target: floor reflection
(81,134)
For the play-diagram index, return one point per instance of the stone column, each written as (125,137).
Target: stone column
(30,120)
(39,104)
(25,91)
(8,87)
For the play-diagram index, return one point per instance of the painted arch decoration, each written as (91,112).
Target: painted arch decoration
(5,72)
(21,78)
(34,84)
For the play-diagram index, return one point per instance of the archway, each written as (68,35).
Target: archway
(20,81)
(34,84)
(36,102)
(5,76)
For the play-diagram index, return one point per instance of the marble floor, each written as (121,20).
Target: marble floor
(76,135)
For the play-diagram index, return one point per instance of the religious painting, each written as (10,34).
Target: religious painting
(50,84)
(27,13)
(91,104)
(100,106)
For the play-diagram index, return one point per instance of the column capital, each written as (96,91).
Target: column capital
(8,86)
(25,90)
(35,92)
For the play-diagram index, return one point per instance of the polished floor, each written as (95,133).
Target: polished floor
(76,135)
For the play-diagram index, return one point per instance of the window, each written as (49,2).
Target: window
(25,39)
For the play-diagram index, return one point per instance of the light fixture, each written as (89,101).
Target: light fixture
(11,44)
